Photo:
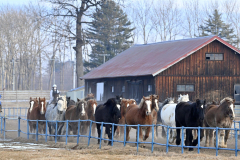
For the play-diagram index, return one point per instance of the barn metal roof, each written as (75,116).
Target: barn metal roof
(151,59)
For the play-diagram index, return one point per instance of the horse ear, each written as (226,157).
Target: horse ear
(78,99)
(30,98)
(233,101)
(197,101)
(204,101)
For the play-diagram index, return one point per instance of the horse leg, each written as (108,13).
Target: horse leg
(190,138)
(156,131)
(60,131)
(147,133)
(174,134)
(105,135)
(99,132)
(226,138)
(178,140)
(207,138)
(221,139)
(163,132)
(210,135)
(127,133)
(109,133)
(93,129)
(195,142)
(118,132)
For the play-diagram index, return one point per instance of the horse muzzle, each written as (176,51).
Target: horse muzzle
(60,112)
(231,117)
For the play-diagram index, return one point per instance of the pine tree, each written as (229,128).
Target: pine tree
(215,26)
(109,33)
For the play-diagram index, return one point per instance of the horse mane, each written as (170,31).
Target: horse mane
(89,96)
(226,99)
(142,102)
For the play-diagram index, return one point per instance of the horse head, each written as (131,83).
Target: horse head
(115,110)
(227,106)
(132,101)
(155,102)
(42,105)
(146,104)
(124,105)
(200,107)
(61,104)
(170,100)
(81,107)
(183,98)
(89,96)
(118,100)
(91,105)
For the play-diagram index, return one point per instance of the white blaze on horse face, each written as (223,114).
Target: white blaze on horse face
(42,109)
(83,110)
(134,102)
(148,102)
(201,106)
(231,106)
(156,102)
(31,106)
(127,104)
(94,108)
(118,106)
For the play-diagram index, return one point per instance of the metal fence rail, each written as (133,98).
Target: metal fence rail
(19,131)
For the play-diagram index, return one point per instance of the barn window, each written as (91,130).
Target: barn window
(123,88)
(214,56)
(185,88)
(149,88)
(112,89)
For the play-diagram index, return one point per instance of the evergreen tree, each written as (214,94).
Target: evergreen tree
(108,33)
(215,26)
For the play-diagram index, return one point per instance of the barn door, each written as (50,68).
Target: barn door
(237,93)
(135,90)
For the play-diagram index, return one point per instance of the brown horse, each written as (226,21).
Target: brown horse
(76,112)
(89,96)
(91,108)
(38,113)
(155,102)
(142,115)
(123,109)
(219,116)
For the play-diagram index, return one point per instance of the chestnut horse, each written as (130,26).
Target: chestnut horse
(38,113)
(221,116)
(155,102)
(142,115)
(90,109)
(76,112)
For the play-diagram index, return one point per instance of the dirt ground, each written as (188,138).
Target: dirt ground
(59,150)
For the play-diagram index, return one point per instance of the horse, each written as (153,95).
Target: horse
(155,102)
(142,115)
(70,101)
(221,116)
(189,114)
(90,109)
(108,113)
(168,115)
(76,112)
(56,113)
(89,96)
(38,113)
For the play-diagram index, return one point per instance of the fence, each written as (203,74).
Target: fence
(10,114)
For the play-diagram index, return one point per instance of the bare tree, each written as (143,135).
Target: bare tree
(74,12)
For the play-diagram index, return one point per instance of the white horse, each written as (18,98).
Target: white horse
(168,116)
(56,113)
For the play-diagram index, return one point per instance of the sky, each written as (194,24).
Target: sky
(15,2)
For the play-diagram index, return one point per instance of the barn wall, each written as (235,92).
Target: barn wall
(143,81)
(212,80)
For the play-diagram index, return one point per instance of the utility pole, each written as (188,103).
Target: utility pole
(104,56)
(74,71)
(53,70)
(13,75)
(2,73)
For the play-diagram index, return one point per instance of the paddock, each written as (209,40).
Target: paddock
(14,127)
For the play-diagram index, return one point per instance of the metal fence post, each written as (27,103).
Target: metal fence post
(124,141)
(46,134)
(78,131)
(198,140)
(90,132)
(216,141)
(37,131)
(167,139)
(19,118)
(67,132)
(182,141)
(4,127)
(138,136)
(1,124)
(56,131)
(27,128)
(236,141)
(152,137)
(101,136)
